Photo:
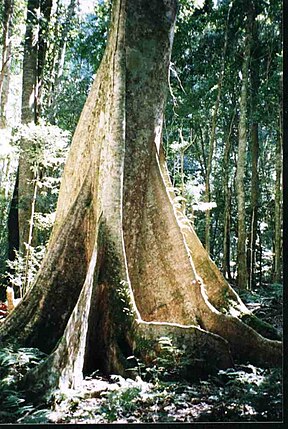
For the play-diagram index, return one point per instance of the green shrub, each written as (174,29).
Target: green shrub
(14,364)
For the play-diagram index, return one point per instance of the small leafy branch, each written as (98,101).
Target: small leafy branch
(45,148)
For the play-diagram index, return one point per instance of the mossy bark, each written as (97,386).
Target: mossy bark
(139,260)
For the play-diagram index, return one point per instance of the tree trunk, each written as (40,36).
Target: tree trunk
(226,234)
(6,59)
(55,68)
(33,64)
(29,79)
(241,164)
(227,202)
(45,10)
(23,191)
(13,233)
(255,82)
(123,263)
(278,201)
(213,137)
(254,205)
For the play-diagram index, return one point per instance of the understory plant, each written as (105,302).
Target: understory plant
(21,270)
(45,147)
(14,364)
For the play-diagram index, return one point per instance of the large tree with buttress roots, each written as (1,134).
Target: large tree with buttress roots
(124,266)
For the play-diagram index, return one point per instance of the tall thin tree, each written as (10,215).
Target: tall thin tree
(278,202)
(227,199)
(7,28)
(242,277)
(38,15)
(255,82)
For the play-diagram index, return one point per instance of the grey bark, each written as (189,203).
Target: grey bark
(278,205)
(5,73)
(45,10)
(29,80)
(255,82)
(242,277)
(227,203)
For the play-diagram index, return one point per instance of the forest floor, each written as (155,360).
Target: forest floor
(244,393)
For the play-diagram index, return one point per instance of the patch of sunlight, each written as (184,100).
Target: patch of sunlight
(260,17)
(5,146)
(178,146)
(194,189)
(213,88)
(263,226)
(233,312)
(204,206)
(199,3)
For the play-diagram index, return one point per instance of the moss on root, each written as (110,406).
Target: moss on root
(263,328)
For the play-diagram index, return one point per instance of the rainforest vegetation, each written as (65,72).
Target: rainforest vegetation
(141,211)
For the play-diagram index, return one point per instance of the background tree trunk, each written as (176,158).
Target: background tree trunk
(241,163)
(23,191)
(227,201)
(278,201)
(57,56)
(45,10)
(7,27)
(33,66)
(13,233)
(254,206)
(30,61)
(255,82)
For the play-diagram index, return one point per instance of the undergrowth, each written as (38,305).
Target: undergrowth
(14,364)
(156,393)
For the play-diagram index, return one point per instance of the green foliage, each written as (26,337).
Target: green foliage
(12,405)
(14,364)
(276,291)
(17,274)
(197,58)
(171,361)
(267,310)
(18,28)
(168,363)
(270,293)
(243,393)
(35,417)
(45,146)
(120,402)
(124,295)
(8,165)
(86,43)
(257,394)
